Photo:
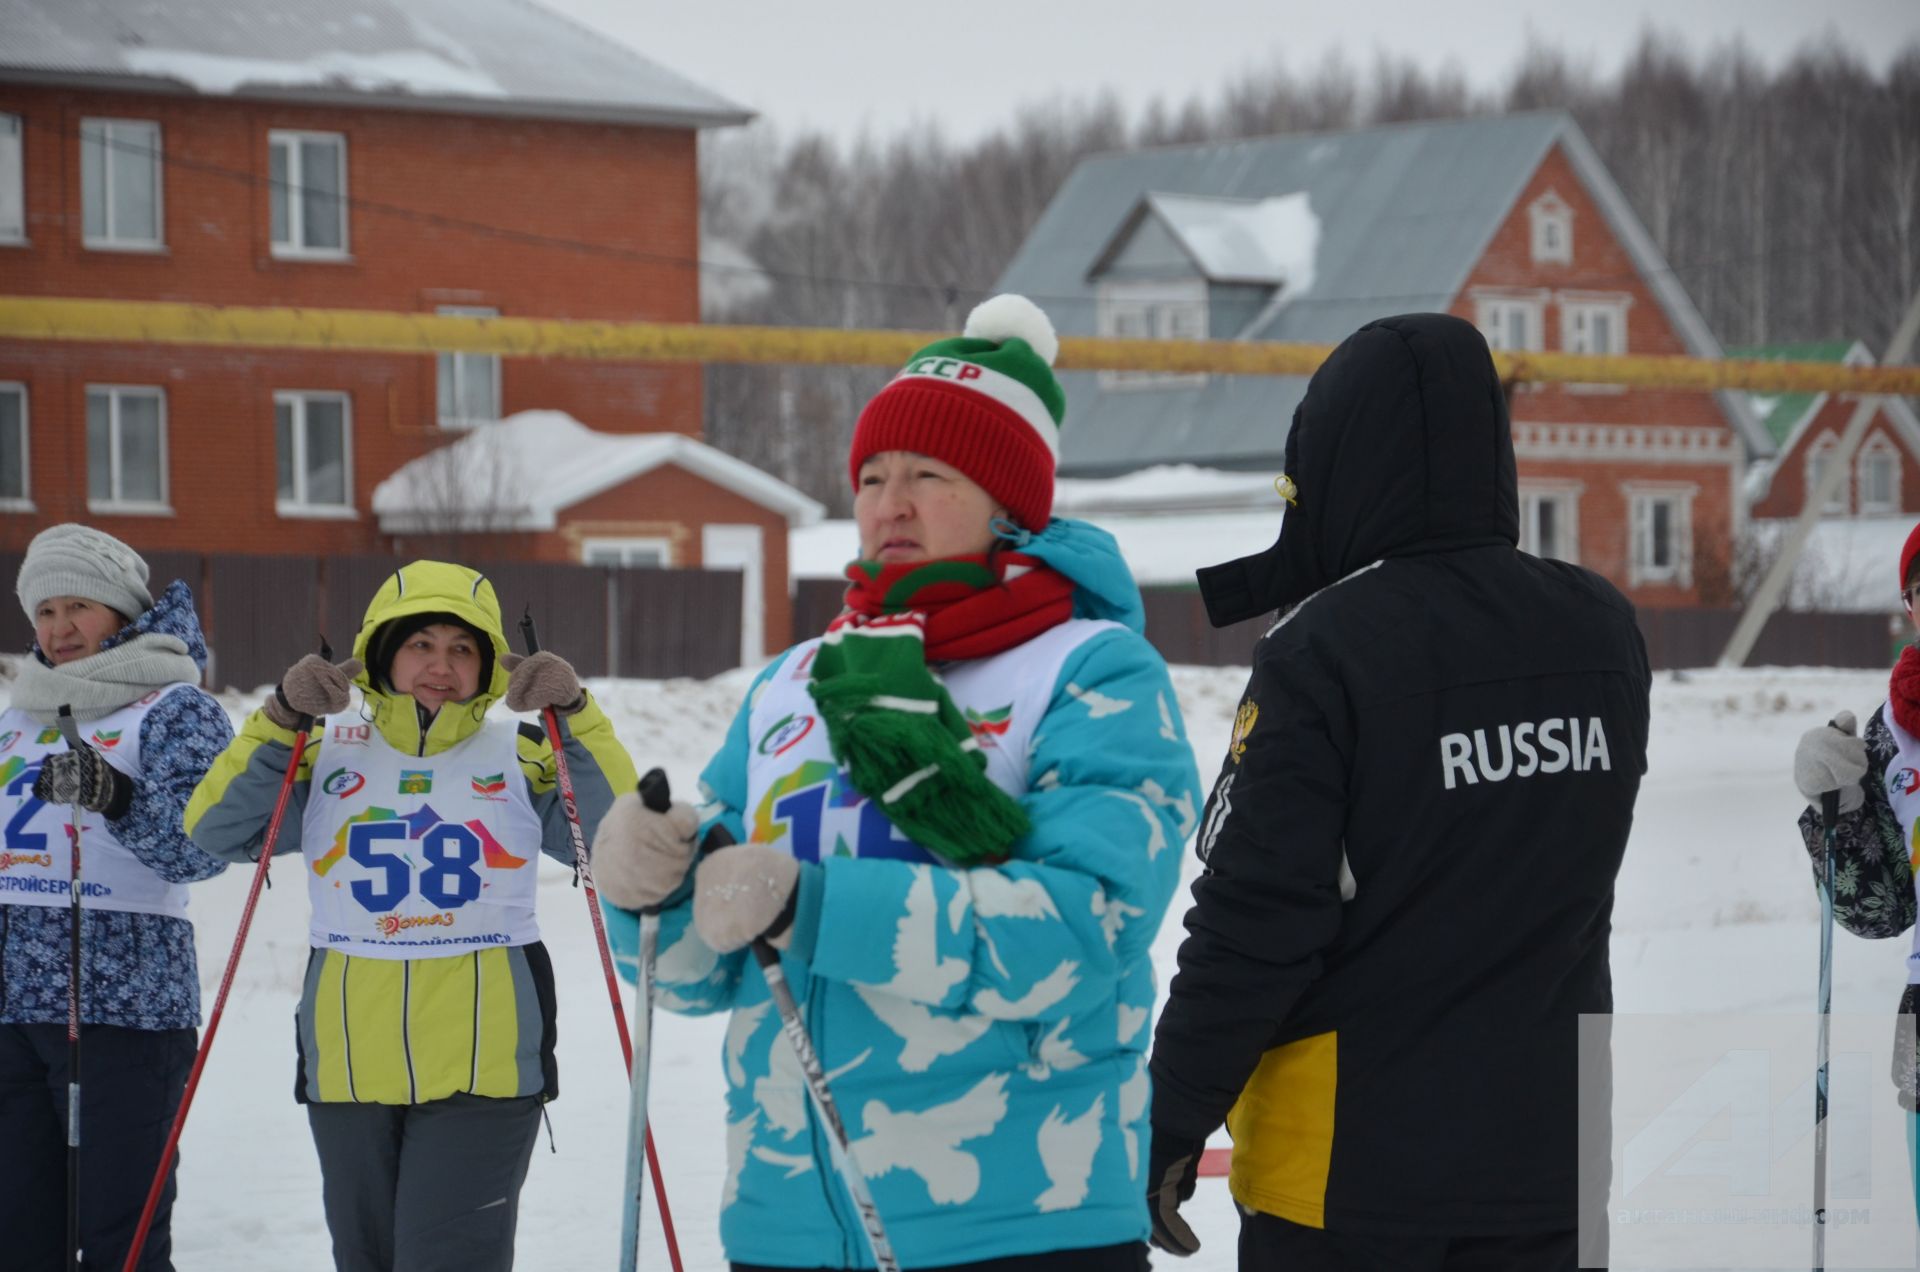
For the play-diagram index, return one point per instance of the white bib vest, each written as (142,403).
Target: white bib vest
(1903,794)
(800,800)
(35,852)
(419,856)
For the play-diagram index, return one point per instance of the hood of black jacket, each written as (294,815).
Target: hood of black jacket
(1401,446)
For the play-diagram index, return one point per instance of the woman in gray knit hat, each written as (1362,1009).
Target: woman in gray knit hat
(129,666)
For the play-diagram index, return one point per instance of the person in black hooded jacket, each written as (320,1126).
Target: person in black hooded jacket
(1410,850)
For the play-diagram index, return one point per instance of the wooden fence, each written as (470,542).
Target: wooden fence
(262,612)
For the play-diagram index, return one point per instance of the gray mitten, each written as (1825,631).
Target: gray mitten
(542,680)
(743,893)
(640,857)
(1831,758)
(312,687)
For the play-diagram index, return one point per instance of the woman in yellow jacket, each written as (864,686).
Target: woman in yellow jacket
(426,1024)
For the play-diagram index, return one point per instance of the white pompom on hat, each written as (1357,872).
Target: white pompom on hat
(76,560)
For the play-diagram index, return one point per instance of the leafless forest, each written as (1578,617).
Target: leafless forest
(1786,198)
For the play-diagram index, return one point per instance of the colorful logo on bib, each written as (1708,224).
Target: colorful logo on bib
(817,812)
(343,782)
(782,736)
(988,725)
(8,860)
(49,735)
(1904,782)
(106,741)
(11,736)
(394,924)
(416,782)
(353,734)
(419,853)
(493,787)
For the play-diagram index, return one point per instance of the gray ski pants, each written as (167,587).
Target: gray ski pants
(425,1187)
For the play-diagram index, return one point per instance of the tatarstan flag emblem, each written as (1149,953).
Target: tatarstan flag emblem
(106,741)
(992,723)
(493,786)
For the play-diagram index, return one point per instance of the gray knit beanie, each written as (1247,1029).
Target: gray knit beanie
(77,560)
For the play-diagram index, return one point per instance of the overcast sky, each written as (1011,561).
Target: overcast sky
(842,64)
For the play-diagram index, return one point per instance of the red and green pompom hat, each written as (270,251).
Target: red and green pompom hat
(985,401)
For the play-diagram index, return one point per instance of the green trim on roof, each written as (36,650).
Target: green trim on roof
(1780,412)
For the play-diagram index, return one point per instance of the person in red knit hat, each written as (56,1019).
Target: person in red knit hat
(1878,779)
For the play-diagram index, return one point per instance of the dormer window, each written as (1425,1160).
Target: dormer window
(1552,222)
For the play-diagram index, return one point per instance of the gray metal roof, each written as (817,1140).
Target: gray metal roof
(1405,212)
(507,57)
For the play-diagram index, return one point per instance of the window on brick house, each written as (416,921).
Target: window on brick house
(1819,456)
(1877,474)
(1595,325)
(313,443)
(307,174)
(652,552)
(1510,322)
(1549,522)
(14,494)
(13,182)
(1551,221)
(120,183)
(1661,530)
(469,382)
(126,449)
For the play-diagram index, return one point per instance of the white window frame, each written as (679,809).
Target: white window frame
(1171,309)
(1565,496)
(113,503)
(449,421)
(295,248)
(1492,311)
(1576,308)
(23,502)
(13,176)
(1641,499)
(1818,453)
(624,546)
(1547,214)
(300,505)
(112,240)
(1878,448)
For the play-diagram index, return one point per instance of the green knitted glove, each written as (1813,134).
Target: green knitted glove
(904,744)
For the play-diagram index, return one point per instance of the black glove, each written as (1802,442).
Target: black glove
(85,778)
(1173,1167)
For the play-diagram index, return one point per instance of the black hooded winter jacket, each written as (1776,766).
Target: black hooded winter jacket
(1411,847)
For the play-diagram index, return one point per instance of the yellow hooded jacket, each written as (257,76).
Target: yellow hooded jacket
(480,1021)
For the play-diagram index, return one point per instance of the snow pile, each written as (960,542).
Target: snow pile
(417,71)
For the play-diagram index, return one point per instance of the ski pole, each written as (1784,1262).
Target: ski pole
(1829,817)
(71,732)
(583,877)
(655,795)
(302,727)
(816,1078)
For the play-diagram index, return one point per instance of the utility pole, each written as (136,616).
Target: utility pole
(1761,607)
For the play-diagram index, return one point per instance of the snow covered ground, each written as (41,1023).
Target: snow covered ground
(1715,913)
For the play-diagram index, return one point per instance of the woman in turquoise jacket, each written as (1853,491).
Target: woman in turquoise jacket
(959,814)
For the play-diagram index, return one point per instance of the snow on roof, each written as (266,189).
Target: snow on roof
(484,56)
(1165,488)
(1271,241)
(519,473)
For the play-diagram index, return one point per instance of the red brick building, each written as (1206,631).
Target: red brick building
(484,157)
(1512,223)
(1883,478)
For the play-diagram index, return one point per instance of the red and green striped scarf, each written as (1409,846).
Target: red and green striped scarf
(975,606)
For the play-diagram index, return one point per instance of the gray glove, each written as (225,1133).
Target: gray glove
(1831,758)
(312,687)
(84,778)
(640,857)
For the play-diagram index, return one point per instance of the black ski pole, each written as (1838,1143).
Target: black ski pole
(1829,818)
(71,732)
